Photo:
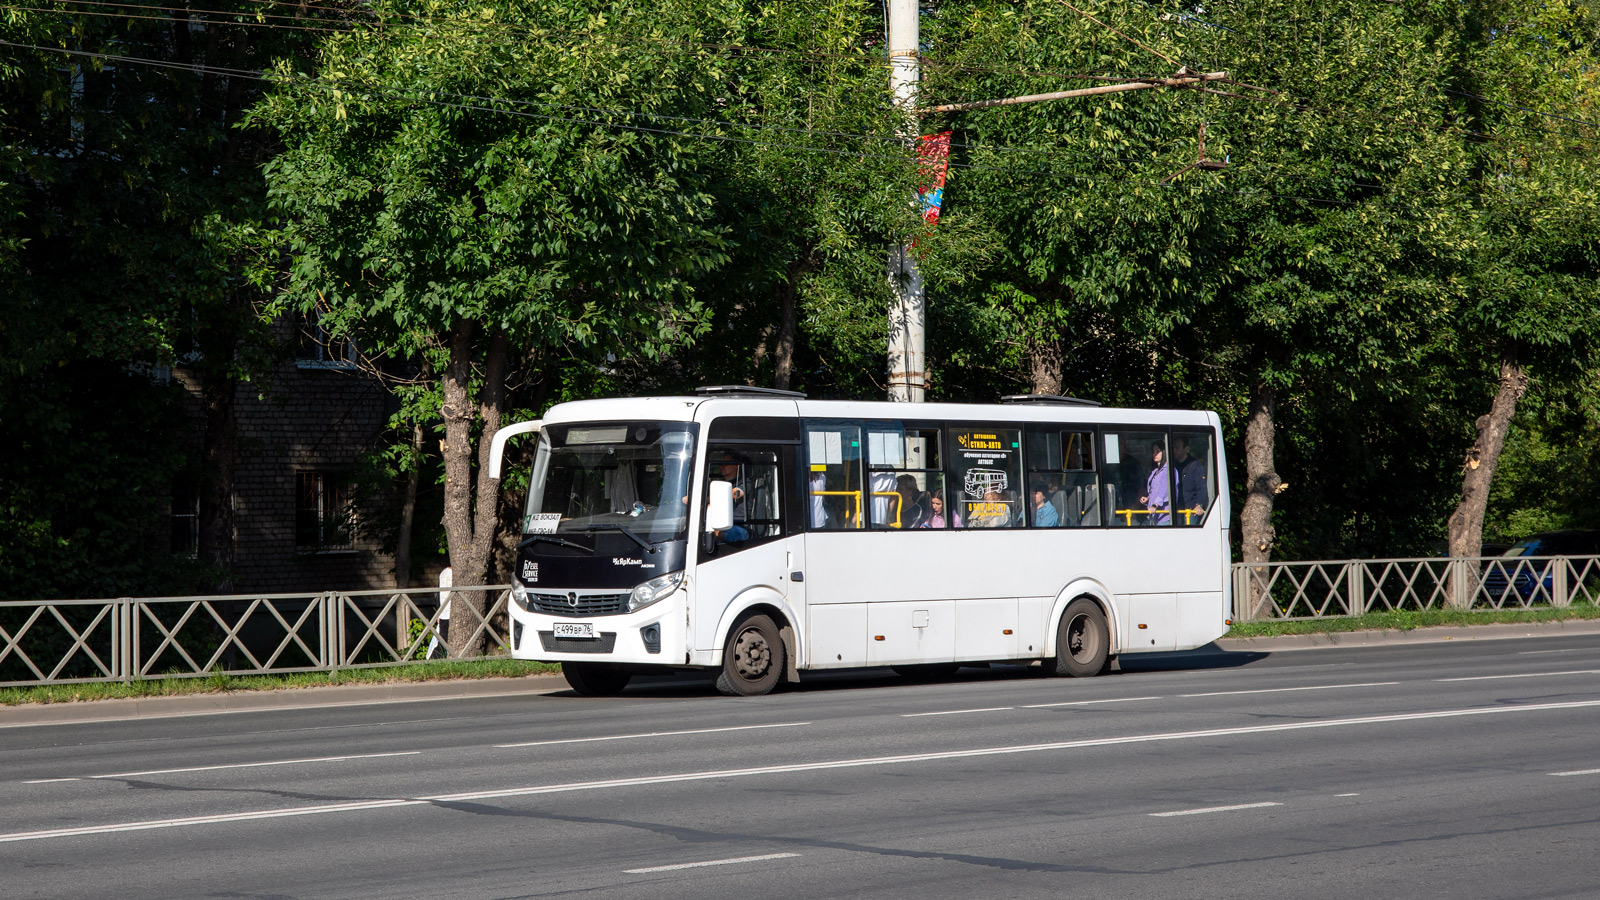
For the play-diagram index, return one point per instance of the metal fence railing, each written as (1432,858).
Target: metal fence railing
(64,641)
(1354,587)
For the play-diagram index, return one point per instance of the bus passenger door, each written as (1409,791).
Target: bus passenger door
(757,555)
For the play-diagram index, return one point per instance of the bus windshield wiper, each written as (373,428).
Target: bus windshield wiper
(554,540)
(612,526)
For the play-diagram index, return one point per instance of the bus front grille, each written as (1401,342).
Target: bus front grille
(576,604)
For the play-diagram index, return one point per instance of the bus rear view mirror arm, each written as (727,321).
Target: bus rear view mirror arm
(497,444)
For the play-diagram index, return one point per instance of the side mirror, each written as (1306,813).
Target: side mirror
(719,505)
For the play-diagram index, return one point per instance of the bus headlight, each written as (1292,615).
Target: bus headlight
(653,590)
(520,594)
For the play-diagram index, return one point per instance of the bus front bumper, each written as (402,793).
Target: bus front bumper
(654,635)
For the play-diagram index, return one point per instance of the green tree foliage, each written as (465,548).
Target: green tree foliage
(124,190)
(500,182)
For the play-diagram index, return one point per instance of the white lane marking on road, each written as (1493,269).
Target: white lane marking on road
(955,712)
(1314,687)
(1568,650)
(1357,794)
(1214,809)
(710,862)
(650,734)
(446,799)
(51,780)
(254,765)
(1086,702)
(1578,772)
(1522,675)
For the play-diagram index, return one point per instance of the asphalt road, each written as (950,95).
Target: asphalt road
(1454,771)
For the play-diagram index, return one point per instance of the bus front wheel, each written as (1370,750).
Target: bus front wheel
(595,679)
(1083,642)
(753,659)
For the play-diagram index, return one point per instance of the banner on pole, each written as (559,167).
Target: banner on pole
(933,158)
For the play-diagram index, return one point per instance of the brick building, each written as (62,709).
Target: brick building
(301,523)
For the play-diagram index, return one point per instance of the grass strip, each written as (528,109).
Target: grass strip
(219,683)
(1408,620)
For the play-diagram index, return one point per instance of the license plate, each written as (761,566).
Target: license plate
(575,630)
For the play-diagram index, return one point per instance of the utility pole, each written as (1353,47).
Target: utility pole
(908,369)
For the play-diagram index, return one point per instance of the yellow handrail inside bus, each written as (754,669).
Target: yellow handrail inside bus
(855,513)
(1188,514)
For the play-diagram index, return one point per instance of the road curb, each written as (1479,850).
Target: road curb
(344,695)
(1394,636)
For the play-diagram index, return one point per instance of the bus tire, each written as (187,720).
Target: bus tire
(1083,642)
(595,679)
(753,659)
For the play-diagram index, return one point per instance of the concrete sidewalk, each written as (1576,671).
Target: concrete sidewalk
(410,692)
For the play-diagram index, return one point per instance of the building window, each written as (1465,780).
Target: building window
(185,521)
(322,512)
(318,348)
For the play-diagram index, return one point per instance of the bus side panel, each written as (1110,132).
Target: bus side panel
(1200,618)
(1152,622)
(838,635)
(986,629)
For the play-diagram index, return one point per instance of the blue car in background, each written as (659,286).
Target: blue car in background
(1534,580)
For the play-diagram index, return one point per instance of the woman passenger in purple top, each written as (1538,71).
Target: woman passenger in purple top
(1157,488)
(936,518)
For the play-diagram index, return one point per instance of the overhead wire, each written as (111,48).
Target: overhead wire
(696,47)
(345,85)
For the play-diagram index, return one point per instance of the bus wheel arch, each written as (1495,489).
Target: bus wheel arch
(1072,604)
(753,657)
(756,603)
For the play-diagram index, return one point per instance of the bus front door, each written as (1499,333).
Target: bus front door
(753,561)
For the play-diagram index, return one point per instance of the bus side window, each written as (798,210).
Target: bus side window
(1194,486)
(753,473)
(1138,479)
(903,477)
(984,472)
(835,493)
(1063,488)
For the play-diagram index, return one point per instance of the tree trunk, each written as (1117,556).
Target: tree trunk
(1263,486)
(470,504)
(216,540)
(1466,523)
(1044,365)
(788,292)
(408,511)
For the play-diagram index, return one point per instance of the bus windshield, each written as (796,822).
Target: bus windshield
(631,477)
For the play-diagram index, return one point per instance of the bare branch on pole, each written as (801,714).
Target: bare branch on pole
(1180,80)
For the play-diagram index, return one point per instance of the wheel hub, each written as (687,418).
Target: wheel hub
(1078,638)
(751,655)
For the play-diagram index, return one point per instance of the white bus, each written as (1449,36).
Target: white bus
(759,534)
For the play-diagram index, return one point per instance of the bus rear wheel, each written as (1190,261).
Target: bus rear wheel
(1083,642)
(595,679)
(753,659)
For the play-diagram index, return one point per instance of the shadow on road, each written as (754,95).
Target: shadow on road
(699,684)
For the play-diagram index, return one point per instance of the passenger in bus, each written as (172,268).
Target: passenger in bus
(936,516)
(993,512)
(819,503)
(1190,473)
(1157,498)
(911,512)
(1044,512)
